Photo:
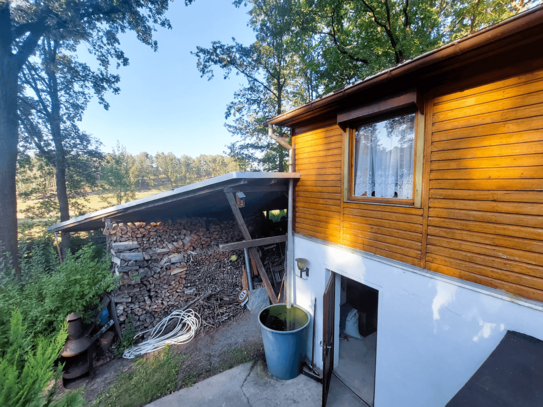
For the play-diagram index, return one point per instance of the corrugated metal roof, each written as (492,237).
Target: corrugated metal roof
(200,198)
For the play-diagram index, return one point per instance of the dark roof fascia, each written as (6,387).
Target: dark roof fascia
(184,192)
(472,42)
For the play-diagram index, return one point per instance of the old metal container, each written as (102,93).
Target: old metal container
(77,343)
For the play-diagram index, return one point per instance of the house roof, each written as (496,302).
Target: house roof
(483,38)
(205,198)
(510,376)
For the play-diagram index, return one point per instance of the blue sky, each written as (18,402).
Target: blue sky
(164,105)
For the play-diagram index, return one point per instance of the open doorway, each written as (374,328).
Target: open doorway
(357,338)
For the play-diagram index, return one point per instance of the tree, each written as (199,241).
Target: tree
(115,177)
(187,169)
(22,25)
(143,169)
(58,91)
(357,38)
(169,167)
(269,65)
(208,166)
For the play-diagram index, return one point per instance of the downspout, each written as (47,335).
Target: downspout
(289,289)
(248,270)
(289,286)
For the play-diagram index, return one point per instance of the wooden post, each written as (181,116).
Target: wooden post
(253,254)
(58,248)
(113,315)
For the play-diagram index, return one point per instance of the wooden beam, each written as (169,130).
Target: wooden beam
(113,314)
(405,100)
(252,251)
(269,188)
(253,243)
(263,275)
(238,216)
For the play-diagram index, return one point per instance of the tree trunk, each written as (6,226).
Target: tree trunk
(62,196)
(278,112)
(8,156)
(60,154)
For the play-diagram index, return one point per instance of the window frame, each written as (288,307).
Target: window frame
(415,201)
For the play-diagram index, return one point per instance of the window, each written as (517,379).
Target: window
(383,161)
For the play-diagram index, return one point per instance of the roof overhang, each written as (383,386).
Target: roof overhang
(205,198)
(495,35)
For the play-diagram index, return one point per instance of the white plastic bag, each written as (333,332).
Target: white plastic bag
(351,325)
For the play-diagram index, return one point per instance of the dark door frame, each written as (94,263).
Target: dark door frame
(337,276)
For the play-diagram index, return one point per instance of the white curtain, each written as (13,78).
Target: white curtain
(384,159)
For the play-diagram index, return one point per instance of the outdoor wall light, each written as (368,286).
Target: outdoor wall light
(240,199)
(302,267)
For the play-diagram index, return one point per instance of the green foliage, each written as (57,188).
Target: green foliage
(49,292)
(128,339)
(170,167)
(143,169)
(277,215)
(36,182)
(307,48)
(115,179)
(150,378)
(27,367)
(269,66)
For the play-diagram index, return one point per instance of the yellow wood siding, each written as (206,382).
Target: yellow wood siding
(482,214)
(389,231)
(318,193)
(485,220)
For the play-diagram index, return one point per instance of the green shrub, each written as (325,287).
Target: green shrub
(128,340)
(48,294)
(27,367)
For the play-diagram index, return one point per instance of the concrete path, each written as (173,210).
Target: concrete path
(247,385)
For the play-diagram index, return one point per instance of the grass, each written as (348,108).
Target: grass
(157,375)
(94,202)
(149,379)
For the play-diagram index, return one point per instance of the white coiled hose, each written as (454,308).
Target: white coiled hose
(186,324)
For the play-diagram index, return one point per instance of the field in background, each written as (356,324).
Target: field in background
(37,226)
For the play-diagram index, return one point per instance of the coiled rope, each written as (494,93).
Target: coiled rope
(186,325)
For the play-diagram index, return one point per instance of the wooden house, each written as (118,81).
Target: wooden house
(420,207)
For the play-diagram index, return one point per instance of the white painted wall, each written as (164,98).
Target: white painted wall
(433,332)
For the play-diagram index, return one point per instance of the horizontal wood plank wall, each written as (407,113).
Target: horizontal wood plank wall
(318,193)
(389,231)
(485,213)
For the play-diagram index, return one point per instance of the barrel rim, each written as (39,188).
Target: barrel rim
(284,332)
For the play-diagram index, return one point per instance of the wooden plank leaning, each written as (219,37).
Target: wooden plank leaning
(252,251)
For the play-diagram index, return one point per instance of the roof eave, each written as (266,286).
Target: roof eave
(180,193)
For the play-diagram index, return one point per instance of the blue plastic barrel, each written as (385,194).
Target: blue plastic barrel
(284,348)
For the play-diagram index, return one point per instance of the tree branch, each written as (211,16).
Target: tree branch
(256,80)
(398,54)
(339,47)
(281,140)
(29,45)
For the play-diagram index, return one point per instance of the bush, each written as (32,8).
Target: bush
(128,340)
(27,367)
(49,292)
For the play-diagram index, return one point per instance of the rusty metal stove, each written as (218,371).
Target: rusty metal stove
(78,351)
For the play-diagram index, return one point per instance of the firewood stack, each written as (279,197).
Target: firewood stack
(165,265)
